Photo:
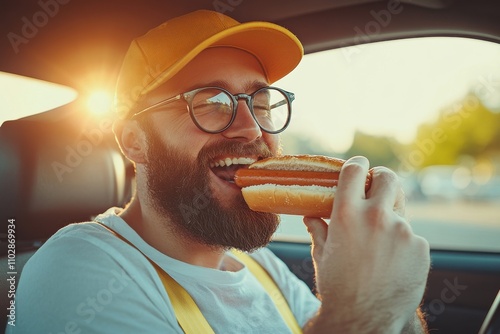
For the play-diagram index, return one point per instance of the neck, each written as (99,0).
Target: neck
(159,232)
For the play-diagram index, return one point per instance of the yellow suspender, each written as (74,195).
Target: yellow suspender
(188,314)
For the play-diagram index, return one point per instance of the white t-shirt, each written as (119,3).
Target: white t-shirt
(86,280)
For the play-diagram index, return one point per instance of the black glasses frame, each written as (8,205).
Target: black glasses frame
(189,96)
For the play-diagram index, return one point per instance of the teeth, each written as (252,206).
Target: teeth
(245,161)
(232,161)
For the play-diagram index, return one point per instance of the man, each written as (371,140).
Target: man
(189,98)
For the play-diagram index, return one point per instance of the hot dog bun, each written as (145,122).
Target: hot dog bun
(291,184)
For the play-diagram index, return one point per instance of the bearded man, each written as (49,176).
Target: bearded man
(193,99)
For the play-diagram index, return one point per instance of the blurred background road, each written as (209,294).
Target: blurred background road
(452,225)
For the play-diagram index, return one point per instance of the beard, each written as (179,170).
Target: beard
(180,190)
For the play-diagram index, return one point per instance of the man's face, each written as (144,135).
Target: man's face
(200,200)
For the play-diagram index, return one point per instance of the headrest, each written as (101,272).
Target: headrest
(54,173)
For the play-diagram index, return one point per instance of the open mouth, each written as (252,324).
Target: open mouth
(225,168)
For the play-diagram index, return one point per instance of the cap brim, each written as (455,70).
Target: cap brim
(277,50)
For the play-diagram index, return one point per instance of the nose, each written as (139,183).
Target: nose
(244,127)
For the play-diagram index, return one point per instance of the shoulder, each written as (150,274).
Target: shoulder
(80,272)
(82,245)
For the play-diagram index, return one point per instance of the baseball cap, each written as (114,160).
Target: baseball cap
(157,56)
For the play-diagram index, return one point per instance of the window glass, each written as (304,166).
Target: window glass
(23,96)
(428,108)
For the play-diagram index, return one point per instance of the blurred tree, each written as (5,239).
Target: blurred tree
(466,128)
(378,149)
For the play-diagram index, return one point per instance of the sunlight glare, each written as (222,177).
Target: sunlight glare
(100,102)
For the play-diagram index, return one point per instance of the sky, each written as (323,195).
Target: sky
(388,88)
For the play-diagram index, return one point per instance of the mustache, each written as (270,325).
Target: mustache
(222,147)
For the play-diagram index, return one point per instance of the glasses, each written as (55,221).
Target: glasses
(213,109)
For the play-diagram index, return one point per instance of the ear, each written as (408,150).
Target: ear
(131,139)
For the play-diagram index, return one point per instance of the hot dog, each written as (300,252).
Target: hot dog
(292,184)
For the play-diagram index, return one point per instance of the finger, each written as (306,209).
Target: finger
(388,190)
(352,179)
(385,188)
(318,230)
(400,205)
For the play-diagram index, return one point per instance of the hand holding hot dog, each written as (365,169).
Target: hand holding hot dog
(371,269)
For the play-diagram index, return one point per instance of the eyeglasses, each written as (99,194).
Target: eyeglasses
(213,109)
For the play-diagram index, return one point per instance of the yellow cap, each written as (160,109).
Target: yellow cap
(157,56)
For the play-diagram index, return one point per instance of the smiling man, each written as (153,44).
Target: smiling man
(178,164)
(193,99)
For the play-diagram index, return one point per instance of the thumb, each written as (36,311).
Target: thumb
(318,230)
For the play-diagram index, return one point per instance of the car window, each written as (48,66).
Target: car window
(24,96)
(428,108)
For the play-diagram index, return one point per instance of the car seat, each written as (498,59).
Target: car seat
(54,171)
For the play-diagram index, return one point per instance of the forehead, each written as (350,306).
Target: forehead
(230,68)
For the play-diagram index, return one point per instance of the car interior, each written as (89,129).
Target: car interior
(61,165)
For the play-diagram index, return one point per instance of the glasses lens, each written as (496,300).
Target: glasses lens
(271,109)
(212,109)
